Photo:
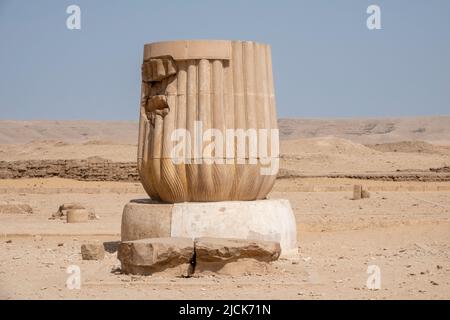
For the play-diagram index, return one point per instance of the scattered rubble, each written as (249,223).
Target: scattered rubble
(66,207)
(441,169)
(92,169)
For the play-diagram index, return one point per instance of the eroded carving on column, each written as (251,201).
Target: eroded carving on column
(156,75)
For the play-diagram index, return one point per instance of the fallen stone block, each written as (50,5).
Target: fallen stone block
(234,256)
(15,208)
(149,256)
(77,215)
(92,251)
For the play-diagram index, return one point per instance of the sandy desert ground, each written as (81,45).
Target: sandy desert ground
(404,227)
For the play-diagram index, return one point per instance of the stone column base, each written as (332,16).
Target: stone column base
(271,220)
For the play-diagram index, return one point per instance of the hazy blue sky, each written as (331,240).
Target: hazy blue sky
(326,62)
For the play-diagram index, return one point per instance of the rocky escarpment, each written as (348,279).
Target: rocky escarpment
(97,169)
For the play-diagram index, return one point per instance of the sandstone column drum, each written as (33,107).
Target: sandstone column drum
(208,124)
(208,151)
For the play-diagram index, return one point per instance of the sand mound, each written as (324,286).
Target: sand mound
(366,131)
(324,146)
(409,147)
(54,150)
(374,130)
(17,132)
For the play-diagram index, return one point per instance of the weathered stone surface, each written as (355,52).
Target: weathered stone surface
(266,220)
(148,256)
(227,250)
(158,69)
(144,218)
(77,215)
(167,176)
(15,208)
(92,251)
(234,256)
(260,220)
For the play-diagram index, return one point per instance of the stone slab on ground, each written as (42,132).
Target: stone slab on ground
(209,249)
(184,256)
(148,256)
(234,256)
(267,220)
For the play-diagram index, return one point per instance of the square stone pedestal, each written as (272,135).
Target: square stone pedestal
(271,220)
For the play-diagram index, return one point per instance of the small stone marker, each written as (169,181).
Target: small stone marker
(77,215)
(357,192)
(62,210)
(66,207)
(360,192)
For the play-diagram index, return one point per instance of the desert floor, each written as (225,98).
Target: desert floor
(405,233)
(403,228)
